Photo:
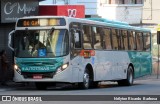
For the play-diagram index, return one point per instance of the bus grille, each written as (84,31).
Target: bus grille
(44,75)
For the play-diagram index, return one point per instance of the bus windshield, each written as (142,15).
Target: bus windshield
(41,43)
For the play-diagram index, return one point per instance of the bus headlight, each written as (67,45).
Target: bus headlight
(17,68)
(63,67)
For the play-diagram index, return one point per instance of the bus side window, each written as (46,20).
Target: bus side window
(132,45)
(97,36)
(87,39)
(139,41)
(146,41)
(125,39)
(107,39)
(114,39)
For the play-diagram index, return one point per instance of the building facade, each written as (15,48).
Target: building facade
(151,12)
(122,10)
(151,16)
(10,10)
(151,19)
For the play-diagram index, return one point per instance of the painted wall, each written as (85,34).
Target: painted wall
(77,11)
(151,11)
(131,14)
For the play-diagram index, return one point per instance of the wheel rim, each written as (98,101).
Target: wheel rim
(130,76)
(86,80)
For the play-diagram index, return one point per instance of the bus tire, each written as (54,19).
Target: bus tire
(129,80)
(86,80)
(41,85)
(94,84)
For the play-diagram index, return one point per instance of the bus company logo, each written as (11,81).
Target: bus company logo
(72,12)
(6,98)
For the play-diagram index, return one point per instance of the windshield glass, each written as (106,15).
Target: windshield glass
(41,43)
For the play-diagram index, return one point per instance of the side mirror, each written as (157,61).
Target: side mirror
(51,31)
(10,39)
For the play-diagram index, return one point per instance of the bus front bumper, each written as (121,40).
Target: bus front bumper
(64,76)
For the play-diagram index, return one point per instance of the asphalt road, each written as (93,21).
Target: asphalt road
(143,86)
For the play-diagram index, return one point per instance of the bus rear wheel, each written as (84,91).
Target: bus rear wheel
(41,85)
(130,77)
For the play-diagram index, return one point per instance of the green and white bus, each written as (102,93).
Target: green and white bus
(52,49)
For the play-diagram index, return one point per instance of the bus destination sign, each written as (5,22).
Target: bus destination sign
(31,23)
(35,22)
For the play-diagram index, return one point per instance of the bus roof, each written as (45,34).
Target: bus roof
(108,21)
(119,24)
(97,21)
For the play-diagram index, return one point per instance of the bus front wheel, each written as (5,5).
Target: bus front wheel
(86,80)
(130,77)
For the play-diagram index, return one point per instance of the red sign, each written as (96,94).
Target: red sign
(87,53)
(37,76)
(77,11)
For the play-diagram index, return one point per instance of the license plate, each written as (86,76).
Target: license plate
(37,76)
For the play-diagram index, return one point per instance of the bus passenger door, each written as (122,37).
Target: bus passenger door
(76,60)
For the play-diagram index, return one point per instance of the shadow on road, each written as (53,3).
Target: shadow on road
(68,87)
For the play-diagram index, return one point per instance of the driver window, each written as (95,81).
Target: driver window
(77,39)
